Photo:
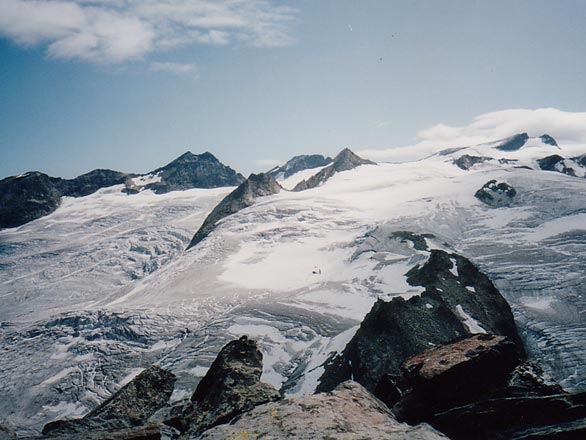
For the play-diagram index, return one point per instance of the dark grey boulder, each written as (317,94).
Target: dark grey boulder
(300,163)
(130,407)
(231,387)
(257,185)
(344,161)
(496,194)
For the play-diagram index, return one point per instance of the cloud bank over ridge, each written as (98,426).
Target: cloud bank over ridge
(568,128)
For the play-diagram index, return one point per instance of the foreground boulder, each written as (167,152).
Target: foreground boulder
(496,194)
(344,161)
(257,185)
(458,301)
(130,407)
(231,386)
(349,412)
(454,374)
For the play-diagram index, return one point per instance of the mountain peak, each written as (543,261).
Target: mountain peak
(514,142)
(300,163)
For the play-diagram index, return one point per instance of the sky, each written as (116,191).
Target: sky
(132,84)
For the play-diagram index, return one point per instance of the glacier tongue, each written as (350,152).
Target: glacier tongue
(103,286)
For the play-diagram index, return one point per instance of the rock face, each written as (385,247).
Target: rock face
(34,195)
(130,407)
(547,139)
(456,373)
(257,185)
(344,161)
(496,194)
(193,171)
(28,197)
(350,411)
(300,163)
(231,387)
(513,143)
(89,183)
(458,301)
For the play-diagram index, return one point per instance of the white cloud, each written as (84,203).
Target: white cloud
(568,128)
(189,69)
(108,31)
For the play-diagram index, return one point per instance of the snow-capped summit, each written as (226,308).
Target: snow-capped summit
(299,163)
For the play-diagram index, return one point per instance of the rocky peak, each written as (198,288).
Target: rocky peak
(257,185)
(458,301)
(513,143)
(344,161)
(547,139)
(300,163)
(192,171)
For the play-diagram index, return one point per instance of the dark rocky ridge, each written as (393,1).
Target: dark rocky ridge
(192,171)
(396,330)
(130,407)
(496,194)
(257,185)
(513,143)
(344,161)
(300,163)
(34,194)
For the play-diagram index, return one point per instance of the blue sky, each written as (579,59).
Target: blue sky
(131,84)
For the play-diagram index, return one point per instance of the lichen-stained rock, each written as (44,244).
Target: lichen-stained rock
(496,194)
(455,373)
(131,406)
(231,386)
(349,412)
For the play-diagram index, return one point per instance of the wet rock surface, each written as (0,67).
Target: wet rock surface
(344,161)
(350,411)
(496,194)
(257,185)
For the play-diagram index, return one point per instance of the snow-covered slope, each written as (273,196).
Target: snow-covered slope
(297,270)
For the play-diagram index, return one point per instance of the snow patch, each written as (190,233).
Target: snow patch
(469,321)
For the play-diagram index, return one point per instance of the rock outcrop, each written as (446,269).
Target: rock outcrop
(458,301)
(27,197)
(130,407)
(496,194)
(344,161)
(513,143)
(547,139)
(455,374)
(350,411)
(257,185)
(300,163)
(231,387)
(467,161)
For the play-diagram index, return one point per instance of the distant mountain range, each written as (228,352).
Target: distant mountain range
(324,297)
